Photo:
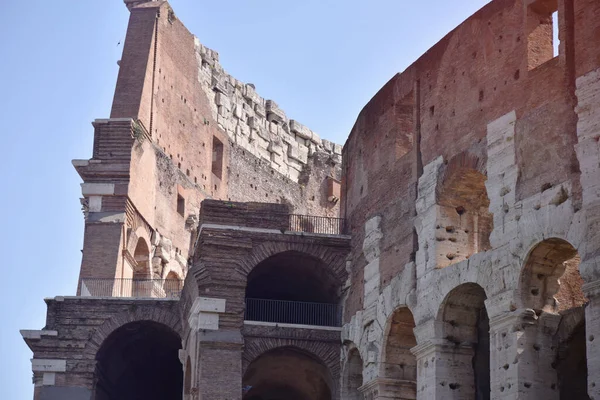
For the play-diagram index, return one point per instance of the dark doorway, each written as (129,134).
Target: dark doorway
(139,361)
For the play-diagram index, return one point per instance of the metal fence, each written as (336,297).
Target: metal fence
(154,288)
(293,312)
(316,224)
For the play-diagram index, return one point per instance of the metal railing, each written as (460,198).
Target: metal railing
(154,288)
(293,312)
(316,224)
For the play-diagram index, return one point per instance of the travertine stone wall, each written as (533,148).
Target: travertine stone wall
(259,126)
(530,133)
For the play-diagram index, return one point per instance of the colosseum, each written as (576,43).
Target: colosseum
(450,249)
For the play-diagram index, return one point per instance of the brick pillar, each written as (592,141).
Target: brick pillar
(592,336)
(217,352)
(385,388)
(522,354)
(219,365)
(444,370)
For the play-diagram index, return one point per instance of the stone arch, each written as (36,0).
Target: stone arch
(336,262)
(141,254)
(172,285)
(352,375)
(550,280)
(174,267)
(139,359)
(268,373)
(397,361)
(328,354)
(162,315)
(465,328)
(464,222)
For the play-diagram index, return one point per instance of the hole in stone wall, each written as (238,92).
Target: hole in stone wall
(180,205)
(217,158)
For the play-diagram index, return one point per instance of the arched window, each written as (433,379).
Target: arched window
(295,288)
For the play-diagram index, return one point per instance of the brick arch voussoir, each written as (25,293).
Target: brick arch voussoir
(321,351)
(335,262)
(167,317)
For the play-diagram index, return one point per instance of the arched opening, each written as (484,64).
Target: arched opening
(464,223)
(550,280)
(551,283)
(172,285)
(571,366)
(142,285)
(287,373)
(352,378)
(139,361)
(293,287)
(466,325)
(399,363)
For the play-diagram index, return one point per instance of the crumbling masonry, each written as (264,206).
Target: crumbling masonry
(451,250)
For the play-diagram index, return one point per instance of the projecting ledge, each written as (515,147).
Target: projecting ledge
(297,326)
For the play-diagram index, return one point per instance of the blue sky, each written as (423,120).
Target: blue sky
(320,60)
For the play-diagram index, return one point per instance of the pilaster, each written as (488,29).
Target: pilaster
(522,355)
(592,329)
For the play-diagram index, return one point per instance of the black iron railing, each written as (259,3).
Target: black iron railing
(155,288)
(293,312)
(316,224)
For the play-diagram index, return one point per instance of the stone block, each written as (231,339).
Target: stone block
(315,139)
(220,84)
(260,111)
(223,100)
(164,249)
(293,174)
(274,113)
(298,152)
(238,111)
(300,130)
(250,94)
(275,147)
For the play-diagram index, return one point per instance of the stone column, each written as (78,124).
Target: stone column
(384,388)
(592,336)
(444,370)
(522,355)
